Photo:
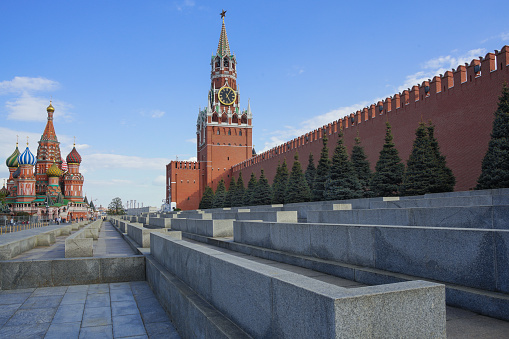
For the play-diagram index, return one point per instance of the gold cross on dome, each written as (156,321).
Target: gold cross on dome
(223,13)
(27,140)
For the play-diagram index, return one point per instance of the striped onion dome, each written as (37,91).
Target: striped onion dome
(74,157)
(64,165)
(16,173)
(54,171)
(12,161)
(27,158)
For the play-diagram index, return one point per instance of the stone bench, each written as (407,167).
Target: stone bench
(141,235)
(13,244)
(81,243)
(266,301)
(209,228)
(160,222)
(461,201)
(486,217)
(274,216)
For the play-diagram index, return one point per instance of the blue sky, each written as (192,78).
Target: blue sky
(127,77)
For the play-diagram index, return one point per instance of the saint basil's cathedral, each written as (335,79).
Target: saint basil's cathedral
(46,186)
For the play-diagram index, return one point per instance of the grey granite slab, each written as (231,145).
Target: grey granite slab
(128,325)
(96,332)
(64,330)
(98,300)
(96,316)
(69,314)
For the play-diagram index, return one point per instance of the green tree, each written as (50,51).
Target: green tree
(207,199)
(322,171)
(444,180)
(361,166)
(220,195)
(238,196)
(422,167)
(310,171)
(262,194)
(249,194)
(495,165)
(230,193)
(297,189)
(115,207)
(388,170)
(342,182)
(279,184)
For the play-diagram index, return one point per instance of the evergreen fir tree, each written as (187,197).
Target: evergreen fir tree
(249,194)
(297,189)
(322,171)
(342,182)
(310,171)
(361,166)
(230,193)
(388,170)
(238,196)
(262,194)
(207,199)
(495,165)
(444,180)
(422,167)
(280,183)
(220,195)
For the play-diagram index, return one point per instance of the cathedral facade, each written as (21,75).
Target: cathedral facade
(46,185)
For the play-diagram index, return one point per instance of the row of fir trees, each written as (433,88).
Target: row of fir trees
(344,177)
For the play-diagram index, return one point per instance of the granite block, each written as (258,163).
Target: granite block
(79,247)
(120,269)
(23,274)
(75,271)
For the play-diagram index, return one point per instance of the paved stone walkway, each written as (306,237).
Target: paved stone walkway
(119,310)
(109,244)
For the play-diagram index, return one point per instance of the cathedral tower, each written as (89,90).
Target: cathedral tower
(48,153)
(73,179)
(224,131)
(25,181)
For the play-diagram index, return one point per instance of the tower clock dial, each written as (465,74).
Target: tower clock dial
(227,96)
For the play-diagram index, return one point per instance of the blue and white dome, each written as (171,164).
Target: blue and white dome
(27,158)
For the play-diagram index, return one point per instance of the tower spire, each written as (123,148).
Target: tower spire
(223,48)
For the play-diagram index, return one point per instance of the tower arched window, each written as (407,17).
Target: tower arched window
(244,119)
(226,62)
(224,118)
(218,62)
(240,132)
(215,117)
(218,132)
(229,132)
(235,119)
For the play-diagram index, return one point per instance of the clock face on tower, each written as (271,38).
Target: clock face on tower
(227,96)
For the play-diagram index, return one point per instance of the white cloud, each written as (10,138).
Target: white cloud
(440,65)
(289,132)
(159,180)
(504,36)
(8,141)
(184,4)
(117,161)
(26,84)
(192,140)
(192,159)
(157,114)
(30,108)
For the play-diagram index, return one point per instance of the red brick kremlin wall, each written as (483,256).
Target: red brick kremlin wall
(460,103)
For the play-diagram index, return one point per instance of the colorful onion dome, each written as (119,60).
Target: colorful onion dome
(64,165)
(74,157)
(27,158)
(12,161)
(50,108)
(54,171)
(16,173)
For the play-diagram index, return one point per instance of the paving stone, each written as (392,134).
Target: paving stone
(96,316)
(98,300)
(96,332)
(69,313)
(98,288)
(77,288)
(122,285)
(121,295)
(134,337)
(65,330)
(124,307)
(153,313)
(162,330)
(42,302)
(128,325)
(14,298)
(31,316)
(9,310)
(477,327)
(43,291)
(74,298)
(32,331)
